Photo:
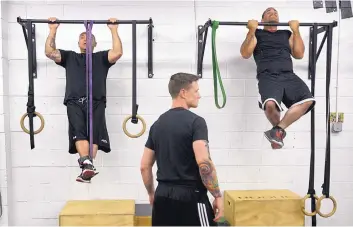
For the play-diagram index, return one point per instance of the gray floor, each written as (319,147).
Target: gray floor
(143,210)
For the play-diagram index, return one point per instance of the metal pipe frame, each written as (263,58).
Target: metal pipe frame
(28,27)
(203,30)
(45,21)
(312,74)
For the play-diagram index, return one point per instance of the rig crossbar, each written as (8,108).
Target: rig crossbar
(203,30)
(273,24)
(45,21)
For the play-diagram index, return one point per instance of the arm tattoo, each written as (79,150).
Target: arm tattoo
(54,55)
(249,38)
(52,43)
(209,178)
(208,149)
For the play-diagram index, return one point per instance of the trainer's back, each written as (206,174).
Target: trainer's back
(172,136)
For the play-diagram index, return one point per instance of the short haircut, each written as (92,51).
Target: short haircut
(93,37)
(180,81)
(263,14)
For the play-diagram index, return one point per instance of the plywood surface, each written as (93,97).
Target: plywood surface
(87,207)
(98,213)
(263,208)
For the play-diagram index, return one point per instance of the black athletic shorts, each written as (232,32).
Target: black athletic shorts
(283,87)
(176,205)
(77,116)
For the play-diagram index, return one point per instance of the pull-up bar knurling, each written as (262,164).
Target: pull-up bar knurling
(46,21)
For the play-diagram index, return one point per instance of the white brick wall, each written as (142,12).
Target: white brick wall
(43,179)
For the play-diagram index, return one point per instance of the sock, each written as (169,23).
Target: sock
(278,127)
(81,160)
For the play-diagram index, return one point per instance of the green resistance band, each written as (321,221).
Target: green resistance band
(215,68)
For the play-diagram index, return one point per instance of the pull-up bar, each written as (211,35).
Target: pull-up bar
(40,21)
(273,24)
(28,27)
(203,29)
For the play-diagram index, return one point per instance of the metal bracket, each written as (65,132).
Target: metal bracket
(201,44)
(331,6)
(34,55)
(346,9)
(150,49)
(199,50)
(318,4)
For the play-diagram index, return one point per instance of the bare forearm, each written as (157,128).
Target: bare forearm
(147,178)
(117,46)
(50,47)
(298,45)
(50,42)
(209,177)
(247,46)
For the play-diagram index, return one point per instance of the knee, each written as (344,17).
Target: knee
(270,106)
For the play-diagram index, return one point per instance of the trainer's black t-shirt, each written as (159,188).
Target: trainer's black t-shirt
(171,137)
(272,52)
(75,65)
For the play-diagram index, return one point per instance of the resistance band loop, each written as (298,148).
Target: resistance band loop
(215,68)
(89,84)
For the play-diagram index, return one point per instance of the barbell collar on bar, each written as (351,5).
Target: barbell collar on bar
(45,21)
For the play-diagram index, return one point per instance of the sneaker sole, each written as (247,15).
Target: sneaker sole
(82,180)
(275,146)
(274,142)
(88,174)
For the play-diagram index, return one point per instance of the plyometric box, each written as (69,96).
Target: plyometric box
(263,208)
(98,213)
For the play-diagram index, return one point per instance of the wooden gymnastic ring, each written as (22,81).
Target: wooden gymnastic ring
(318,206)
(41,123)
(138,134)
(303,205)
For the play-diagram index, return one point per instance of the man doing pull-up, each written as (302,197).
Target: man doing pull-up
(273,50)
(76,99)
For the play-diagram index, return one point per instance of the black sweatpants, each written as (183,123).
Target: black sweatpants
(77,116)
(283,87)
(181,206)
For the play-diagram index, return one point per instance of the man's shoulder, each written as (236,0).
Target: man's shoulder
(100,52)
(67,51)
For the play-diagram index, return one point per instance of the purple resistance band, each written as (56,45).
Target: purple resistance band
(89,85)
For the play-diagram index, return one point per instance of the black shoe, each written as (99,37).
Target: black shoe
(276,136)
(81,179)
(88,170)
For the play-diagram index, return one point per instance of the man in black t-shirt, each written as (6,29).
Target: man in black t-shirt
(178,142)
(272,50)
(76,99)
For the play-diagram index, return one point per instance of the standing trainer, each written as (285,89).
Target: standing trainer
(178,142)
(273,51)
(76,99)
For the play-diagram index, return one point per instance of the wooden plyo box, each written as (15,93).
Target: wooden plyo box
(98,213)
(143,221)
(263,208)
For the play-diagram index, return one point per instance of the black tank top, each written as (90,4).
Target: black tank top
(272,52)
